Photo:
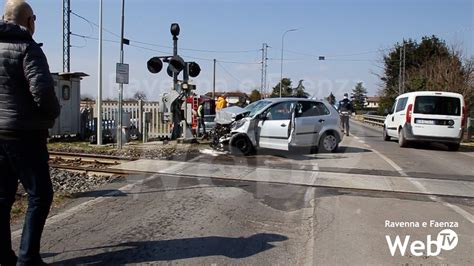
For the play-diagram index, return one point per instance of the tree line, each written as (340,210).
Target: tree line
(429,65)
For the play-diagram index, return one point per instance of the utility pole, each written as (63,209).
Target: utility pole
(263,85)
(99,81)
(66,35)
(400,65)
(120,99)
(214,82)
(401,70)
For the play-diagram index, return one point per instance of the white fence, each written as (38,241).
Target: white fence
(157,127)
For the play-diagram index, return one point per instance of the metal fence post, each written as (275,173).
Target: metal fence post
(140,116)
(145,122)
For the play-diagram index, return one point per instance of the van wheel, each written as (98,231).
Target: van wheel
(241,146)
(402,142)
(386,137)
(327,143)
(453,146)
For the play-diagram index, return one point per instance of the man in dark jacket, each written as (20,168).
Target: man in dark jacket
(345,109)
(28,107)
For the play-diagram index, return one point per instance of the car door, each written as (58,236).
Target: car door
(308,121)
(395,117)
(399,115)
(274,126)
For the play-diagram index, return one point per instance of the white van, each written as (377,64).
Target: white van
(427,116)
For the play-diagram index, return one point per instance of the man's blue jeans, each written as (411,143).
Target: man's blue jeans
(26,161)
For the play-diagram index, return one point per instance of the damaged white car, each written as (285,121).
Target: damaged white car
(278,123)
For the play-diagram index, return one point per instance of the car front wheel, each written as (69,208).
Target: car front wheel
(241,146)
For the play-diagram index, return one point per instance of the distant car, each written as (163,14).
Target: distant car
(284,123)
(427,116)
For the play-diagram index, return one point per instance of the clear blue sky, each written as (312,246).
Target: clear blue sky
(351,34)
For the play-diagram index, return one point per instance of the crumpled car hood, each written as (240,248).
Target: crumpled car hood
(228,115)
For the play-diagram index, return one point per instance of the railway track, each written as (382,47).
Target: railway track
(87,163)
(86,157)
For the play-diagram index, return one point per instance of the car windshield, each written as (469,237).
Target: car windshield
(255,107)
(437,105)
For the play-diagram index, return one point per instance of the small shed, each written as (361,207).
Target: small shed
(68,90)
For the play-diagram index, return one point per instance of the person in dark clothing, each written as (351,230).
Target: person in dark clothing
(28,109)
(345,109)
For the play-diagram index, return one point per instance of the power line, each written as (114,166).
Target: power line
(164,52)
(316,59)
(164,46)
(227,72)
(337,55)
(95,24)
(114,41)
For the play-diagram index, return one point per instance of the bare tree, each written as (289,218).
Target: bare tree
(140,95)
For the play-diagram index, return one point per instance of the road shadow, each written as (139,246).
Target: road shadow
(100,193)
(175,249)
(344,149)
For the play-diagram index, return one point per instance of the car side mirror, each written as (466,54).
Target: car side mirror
(268,116)
(263,116)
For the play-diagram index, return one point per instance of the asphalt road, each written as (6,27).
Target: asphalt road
(161,219)
(428,160)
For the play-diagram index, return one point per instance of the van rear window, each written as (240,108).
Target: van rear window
(437,105)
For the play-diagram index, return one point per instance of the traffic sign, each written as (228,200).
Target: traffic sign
(122,73)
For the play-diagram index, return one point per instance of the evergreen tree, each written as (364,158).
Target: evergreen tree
(286,89)
(299,91)
(359,95)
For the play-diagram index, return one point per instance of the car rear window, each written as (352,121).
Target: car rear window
(437,105)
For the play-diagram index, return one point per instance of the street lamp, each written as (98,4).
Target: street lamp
(282,44)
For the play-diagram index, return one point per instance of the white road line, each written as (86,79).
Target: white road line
(422,188)
(389,161)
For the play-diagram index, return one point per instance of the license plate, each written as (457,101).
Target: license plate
(425,122)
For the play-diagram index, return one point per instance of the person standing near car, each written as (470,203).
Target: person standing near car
(200,117)
(221,103)
(28,109)
(345,109)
